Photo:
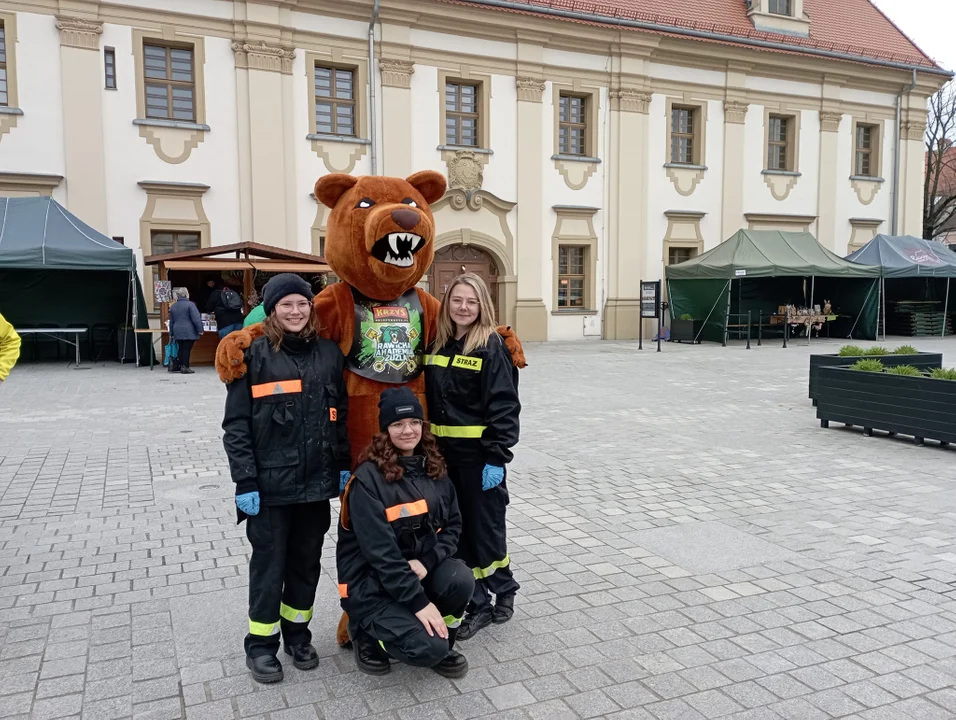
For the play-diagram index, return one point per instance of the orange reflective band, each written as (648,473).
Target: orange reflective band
(333,414)
(343,590)
(280,387)
(419,507)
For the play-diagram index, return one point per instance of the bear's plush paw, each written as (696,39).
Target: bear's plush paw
(230,358)
(514,345)
(342,632)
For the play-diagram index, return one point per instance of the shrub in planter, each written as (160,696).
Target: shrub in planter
(906,350)
(908,370)
(849,354)
(868,365)
(943,373)
(685,328)
(851,351)
(876,350)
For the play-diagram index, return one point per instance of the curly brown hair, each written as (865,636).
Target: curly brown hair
(383,453)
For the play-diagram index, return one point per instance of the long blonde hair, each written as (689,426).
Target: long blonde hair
(483,327)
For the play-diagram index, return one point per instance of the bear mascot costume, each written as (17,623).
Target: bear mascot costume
(380,241)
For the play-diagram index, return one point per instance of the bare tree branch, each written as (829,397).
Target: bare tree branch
(939,184)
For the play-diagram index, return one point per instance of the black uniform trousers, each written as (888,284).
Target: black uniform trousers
(283,573)
(403,636)
(483,544)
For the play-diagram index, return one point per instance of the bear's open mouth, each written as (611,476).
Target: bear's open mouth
(397,248)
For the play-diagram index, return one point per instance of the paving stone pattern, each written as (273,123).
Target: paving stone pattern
(690,545)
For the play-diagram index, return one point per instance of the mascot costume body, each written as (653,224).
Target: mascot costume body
(380,242)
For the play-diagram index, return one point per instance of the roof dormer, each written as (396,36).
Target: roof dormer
(779,16)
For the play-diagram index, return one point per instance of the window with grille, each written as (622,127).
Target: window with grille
(461,114)
(780,7)
(165,243)
(572,125)
(677,255)
(778,143)
(109,66)
(866,150)
(683,135)
(4,99)
(335,101)
(572,278)
(170,82)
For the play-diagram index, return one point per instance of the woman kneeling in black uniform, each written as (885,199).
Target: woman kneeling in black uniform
(398,531)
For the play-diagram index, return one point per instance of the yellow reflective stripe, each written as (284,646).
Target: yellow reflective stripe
(452,621)
(439,360)
(293,615)
(458,431)
(263,629)
(482,573)
(467,363)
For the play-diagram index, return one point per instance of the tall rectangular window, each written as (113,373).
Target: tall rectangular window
(572,125)
(170,82)
(866,150)
(109,65)
(461,114)
(166,243)
(4,98)
(334,101)
(572,276)
(683,140)
(780,7)
(778,143)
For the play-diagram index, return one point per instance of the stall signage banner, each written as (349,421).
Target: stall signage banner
(163,290)
(650,298)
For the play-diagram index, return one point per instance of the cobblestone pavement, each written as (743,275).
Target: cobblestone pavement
(690,542)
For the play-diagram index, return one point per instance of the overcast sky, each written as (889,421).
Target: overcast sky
(931,24)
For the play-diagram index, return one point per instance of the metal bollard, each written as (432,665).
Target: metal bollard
(760,328)
(748,329)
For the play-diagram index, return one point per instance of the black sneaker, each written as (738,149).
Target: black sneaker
(453,665)
(504,609)
(475,621)
(370,657)
(265,668)
(304,656)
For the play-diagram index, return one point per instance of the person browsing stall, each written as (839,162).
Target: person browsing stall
(185,327)
(471,388)
(288,450)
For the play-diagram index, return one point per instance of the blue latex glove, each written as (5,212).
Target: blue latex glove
(344,476)
(248,503)
(491,477)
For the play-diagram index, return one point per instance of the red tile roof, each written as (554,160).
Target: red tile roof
(851,27)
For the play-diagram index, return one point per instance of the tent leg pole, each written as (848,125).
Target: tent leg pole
(945,306)
(132,296)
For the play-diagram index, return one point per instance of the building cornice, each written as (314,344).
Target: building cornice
(260,55)
(79,33)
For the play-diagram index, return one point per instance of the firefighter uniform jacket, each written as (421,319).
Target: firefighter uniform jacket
(473,402)
(384,525)
(285,421)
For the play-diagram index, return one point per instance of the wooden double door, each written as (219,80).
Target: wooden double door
(452,261)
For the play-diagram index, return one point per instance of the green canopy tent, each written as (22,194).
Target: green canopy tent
(759,270)
(57,271)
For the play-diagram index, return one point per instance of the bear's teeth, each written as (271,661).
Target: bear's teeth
(393,242)
(416,241)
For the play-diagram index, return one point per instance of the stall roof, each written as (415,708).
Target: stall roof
(240,251)
(38,233)
(907,256)
(768,253)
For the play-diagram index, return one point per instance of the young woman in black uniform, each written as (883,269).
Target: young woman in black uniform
(472,392)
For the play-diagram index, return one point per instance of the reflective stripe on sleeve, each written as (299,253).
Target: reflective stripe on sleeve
(482,573)
(438,360)
(343,590)
(458,431)
(419,507)
(263,629)
(280,387)
(452,621)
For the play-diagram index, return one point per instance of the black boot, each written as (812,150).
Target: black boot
(504,609)
(265,668)
(475,621)
(370,657)
(454,664)
(304,656)
(187,371)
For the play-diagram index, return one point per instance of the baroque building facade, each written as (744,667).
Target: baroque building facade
(584,153)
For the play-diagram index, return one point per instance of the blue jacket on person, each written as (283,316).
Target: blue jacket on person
(184,320)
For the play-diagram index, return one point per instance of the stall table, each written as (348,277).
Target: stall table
(54,333)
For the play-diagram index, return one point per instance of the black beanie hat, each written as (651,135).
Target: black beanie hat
(280,286)
(397,404)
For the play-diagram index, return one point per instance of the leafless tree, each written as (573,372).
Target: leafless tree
(939,196)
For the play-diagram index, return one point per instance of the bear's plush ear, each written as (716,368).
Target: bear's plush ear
(330,188)
(429,183)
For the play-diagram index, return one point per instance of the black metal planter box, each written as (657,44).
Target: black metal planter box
(922,360)
(918,406)
(685,330)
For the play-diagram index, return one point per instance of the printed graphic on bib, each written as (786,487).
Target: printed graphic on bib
(388,339)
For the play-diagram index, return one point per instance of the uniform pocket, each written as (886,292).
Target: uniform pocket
(281,457)
(332,401)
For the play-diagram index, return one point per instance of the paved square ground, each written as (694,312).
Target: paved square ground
(691,544)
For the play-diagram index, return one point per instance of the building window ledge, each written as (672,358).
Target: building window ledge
(459,148)
(685,176)
(785,173)
(684,166)
(866,178)
(176,124)
(10,111)
(575,158)
(574,312)
(323,137)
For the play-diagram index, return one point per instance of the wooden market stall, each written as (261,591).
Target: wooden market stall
(245,267)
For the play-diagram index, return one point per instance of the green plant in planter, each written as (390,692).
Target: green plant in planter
(867,365)
(943,373)
(906,350)
(851,351)
(686,316)
(907,370)
(876,350)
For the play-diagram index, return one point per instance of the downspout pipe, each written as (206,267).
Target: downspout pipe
(895,210)
(372,115)
(702,34)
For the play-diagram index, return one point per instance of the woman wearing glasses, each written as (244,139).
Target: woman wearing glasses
(471,388)
(285,438)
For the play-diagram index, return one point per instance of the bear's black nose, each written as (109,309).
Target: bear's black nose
(405,218)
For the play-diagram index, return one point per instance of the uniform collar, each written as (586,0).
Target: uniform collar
(413,464)
(296,344)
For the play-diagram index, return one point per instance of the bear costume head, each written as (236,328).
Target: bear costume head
(380,235)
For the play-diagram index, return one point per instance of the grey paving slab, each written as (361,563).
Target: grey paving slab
(690,544)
